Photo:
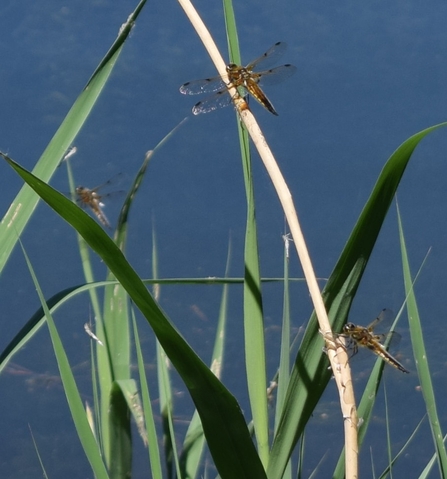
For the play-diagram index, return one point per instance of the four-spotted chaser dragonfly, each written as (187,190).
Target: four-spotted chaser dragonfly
(365,337)
(242,78)
(92,198)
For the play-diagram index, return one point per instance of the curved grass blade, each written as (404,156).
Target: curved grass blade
(255,361)
(121,228)
(31,327)
(25,202)
(74,400)
(153,449)
(38,319)
(421,357)
(224,425)
(386,472)
(310,374)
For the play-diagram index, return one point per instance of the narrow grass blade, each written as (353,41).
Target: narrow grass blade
(254,321)
(310,374)
(121,229)
(31,327)
(421,358)
(104,362)
(224,425)
(427,469)
(232,36)
(44,472)
(167,413)
(194,443)
(117,441)
(166,395)
(120,436)
(402,450)
(25,202)
(284,363)
(283,374)
(74,400)
(152,438)
(253,314)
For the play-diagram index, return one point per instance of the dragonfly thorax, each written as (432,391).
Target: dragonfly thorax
(240,76)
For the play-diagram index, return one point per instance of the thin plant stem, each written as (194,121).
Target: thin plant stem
(336,353)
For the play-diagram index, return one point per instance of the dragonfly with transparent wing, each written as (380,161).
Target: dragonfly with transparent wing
(365,337)
(93,199)
(244,79)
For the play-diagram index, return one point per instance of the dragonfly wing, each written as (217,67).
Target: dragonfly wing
(382,322)
(389,340)
(207,85)
(111,181)
(270,57)
(221,99)
(275,75)
(112,195)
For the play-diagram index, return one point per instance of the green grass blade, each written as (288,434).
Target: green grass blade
(25,202)
(103,356)
(165,406)
(194,443)
(152,438)
(232,36)
(116,350)
(284,363)
(44,472)
(167,413)
(166,395)
(224,425)
(121,229)
(74,400)
(31,327)
(386,472)
(421,358)
(310,374)
(120,436)
(427,469)
(283,374)
(255,362)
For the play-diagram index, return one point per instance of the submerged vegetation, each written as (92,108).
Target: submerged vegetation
(242,444)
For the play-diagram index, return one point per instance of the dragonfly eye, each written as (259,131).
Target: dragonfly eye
(348,327)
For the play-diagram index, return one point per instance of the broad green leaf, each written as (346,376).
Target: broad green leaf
(310,374)
(224,425)
(21,209)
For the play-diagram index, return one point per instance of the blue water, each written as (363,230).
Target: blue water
(369,76)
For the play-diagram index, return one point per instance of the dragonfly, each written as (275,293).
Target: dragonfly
(365,337)
(244,79)
(92,199)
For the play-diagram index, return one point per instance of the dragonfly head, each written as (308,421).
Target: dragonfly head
(348,327)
